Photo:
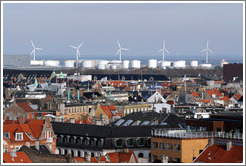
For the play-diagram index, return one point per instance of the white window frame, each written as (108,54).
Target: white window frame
(18,136)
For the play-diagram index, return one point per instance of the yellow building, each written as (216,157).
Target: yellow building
(178,146)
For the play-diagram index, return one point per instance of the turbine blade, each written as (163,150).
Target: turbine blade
(117,52)
(203,50)
(32,52)
(160,50)
(32,44)
(211,51)
(73,47)
(118,43)
(38,48)
(124,48)
(80,45)
(167,51)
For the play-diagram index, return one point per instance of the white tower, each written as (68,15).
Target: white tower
(120,48)
(34,50)
(164,50)
(207,50)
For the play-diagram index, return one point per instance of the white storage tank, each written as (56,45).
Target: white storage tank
(194,63)
(88,64)
(223,62)
(179,64)
(152,63)
(126,64)
(135,64)
(37,62)
(69,63)
(108,66)
(114,66)
(101,66)
(103,62)
(206,66)
(115,62)
(53,63)
(165,63)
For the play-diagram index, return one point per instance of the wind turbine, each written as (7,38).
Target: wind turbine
(120,48)
(164,50)
(34,50)
(207,50)
(77,52)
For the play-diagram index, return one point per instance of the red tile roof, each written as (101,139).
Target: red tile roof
(206,101)
(25,106)
(237,96)
(21,157)
(108,110)
(37,127)
(194,94)
(121,157)
(219,154)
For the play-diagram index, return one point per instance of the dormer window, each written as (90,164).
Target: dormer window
(18,136)
(6,134)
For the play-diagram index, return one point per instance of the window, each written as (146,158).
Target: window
(154,145)
(129,142)
(169,146)
(177,147)
(19,136)
(162,145)
(6,134)
(119,143)
(99,142)
(5,150)
(200,151)
(177,160)
(92,142)
(140,142)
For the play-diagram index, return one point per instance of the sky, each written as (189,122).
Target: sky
(139,27)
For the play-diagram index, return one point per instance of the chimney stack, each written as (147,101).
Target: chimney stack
(28,144)
(126,150)
(228,145)
(164,159)
(138,122)
(37,145)
(211,142)
(88,158)
(156,122)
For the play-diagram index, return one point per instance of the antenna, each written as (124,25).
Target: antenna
(163,50)
(120,48)
(77,52)
(34,50)
(207,50)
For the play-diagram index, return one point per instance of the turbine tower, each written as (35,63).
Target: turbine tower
(207,50)
(34,50)
(120,48)
(164,50)
(77,53)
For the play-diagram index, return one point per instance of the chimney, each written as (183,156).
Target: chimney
(88,158)
(156,122)
(164,159)
(126,150)
(28,144)
(37,145)
(72,120)
(13,153)
(228,145)
(211,142)
(138,122)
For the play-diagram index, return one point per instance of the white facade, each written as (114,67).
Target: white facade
(53,63)
(135,64)
(69,63)
(156,97)
(165,64)
(160,107)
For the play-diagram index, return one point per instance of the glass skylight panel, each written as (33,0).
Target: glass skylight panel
(145,123)
(127,122)
(119,122)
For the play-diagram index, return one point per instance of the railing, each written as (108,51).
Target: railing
(203,134)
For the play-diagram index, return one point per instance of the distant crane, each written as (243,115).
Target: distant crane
(207,50)
(163,50)
(120,48)
(77,53)
(34,50)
